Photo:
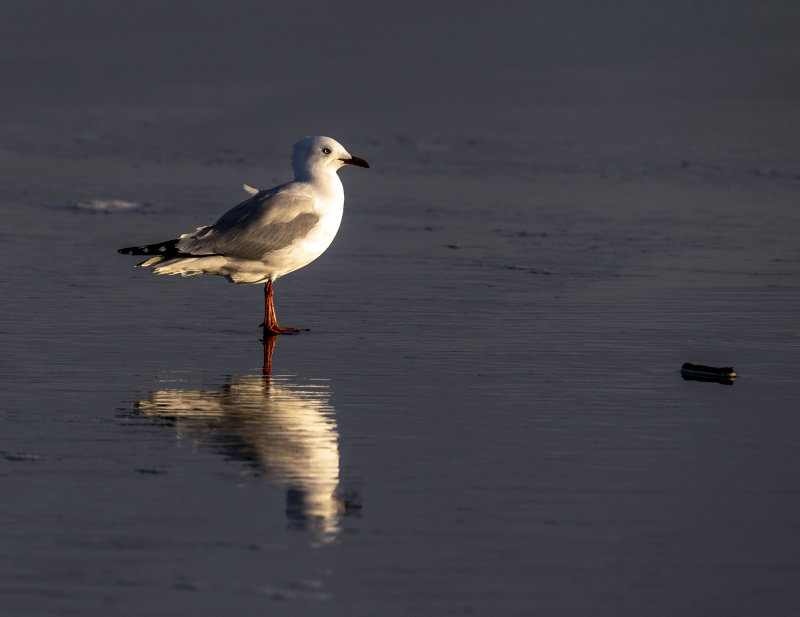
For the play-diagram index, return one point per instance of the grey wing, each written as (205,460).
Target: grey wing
(266,222)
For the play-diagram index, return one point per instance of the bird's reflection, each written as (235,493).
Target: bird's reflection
(282,428)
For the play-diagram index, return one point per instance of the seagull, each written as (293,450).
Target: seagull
(274,232)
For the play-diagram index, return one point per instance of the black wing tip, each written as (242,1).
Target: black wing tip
(162,248)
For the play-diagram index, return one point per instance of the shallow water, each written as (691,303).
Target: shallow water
(487,416)
(460,431)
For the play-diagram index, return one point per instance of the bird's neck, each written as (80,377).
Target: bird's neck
(327,181)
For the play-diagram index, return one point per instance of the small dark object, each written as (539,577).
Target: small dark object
(700,372)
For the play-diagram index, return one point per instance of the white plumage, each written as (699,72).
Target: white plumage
(272,233)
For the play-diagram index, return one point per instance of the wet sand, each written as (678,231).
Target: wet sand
(487,416)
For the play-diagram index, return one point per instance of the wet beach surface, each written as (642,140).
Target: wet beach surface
(487,416)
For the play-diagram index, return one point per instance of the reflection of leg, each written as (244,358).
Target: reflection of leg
(270,323)
(269,348)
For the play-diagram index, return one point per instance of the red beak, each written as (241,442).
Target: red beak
(355,161)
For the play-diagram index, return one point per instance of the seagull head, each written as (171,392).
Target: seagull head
(315,155)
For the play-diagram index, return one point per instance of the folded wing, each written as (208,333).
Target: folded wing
(268,221)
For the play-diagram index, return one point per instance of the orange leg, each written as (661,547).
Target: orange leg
(270,323)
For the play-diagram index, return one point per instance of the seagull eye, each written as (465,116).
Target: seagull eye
(326,150)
